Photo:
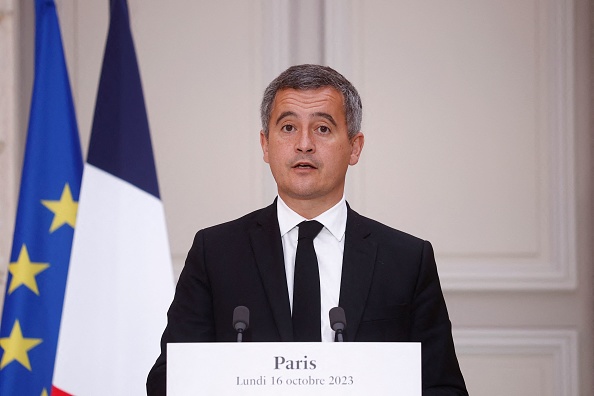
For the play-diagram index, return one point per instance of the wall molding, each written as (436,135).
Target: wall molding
(276,37)
(276,57)
(555,266)
(559,345)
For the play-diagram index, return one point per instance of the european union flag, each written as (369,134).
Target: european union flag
(45,221)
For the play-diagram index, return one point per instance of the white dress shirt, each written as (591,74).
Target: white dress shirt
(329,246)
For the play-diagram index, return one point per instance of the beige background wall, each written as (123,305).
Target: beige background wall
(477,138)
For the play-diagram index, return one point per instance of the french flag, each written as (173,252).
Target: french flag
(120,281)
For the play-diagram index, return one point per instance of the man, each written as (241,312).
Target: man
(385,280)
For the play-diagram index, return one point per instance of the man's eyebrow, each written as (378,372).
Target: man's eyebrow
(285,114)
(326,116)
(317,114)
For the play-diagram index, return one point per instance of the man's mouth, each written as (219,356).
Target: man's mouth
(304,165)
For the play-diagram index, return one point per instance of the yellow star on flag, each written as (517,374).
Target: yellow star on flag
(64,210)
(16,347)
(24,271)
(44,392)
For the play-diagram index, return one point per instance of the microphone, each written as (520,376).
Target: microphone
(338,322)
(241,321)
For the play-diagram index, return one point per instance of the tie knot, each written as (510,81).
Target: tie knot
(309,229)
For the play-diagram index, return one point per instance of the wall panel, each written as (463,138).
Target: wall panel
(518,362)
(469,132)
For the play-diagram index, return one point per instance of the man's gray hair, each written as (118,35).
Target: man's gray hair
(304,77)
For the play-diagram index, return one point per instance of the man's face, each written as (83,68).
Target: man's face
(308,147)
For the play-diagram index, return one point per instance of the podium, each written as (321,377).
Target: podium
(308,368)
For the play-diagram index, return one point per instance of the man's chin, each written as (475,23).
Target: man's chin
(309,193)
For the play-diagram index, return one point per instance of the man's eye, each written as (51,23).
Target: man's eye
(323,129)
(288,128)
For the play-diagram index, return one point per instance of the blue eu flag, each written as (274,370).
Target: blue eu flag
(45,221)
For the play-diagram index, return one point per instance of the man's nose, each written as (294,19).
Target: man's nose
(305,142)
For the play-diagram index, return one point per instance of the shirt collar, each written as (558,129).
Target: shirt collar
(334,219)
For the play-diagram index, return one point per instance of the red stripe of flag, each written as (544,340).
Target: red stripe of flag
(59,392)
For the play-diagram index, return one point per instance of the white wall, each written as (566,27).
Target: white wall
(477,138)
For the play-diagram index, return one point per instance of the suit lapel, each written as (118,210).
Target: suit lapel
(268,251)
(357,271)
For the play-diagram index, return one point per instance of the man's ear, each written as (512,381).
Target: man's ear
(264,144)
(356,148)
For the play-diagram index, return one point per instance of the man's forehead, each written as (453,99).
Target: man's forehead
(307,97)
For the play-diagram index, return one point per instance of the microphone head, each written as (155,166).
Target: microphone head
(337,319)
(241,318)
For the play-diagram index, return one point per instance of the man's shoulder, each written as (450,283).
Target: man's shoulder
(379,230)
(261,216)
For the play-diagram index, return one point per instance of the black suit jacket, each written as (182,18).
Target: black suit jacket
(389,290)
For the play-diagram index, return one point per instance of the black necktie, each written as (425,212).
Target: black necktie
(306,286)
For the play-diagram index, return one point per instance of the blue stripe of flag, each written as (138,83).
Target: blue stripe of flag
(120,139)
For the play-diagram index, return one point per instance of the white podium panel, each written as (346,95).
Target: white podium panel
(285,368)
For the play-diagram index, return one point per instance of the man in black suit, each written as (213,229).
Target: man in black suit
(385,280)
